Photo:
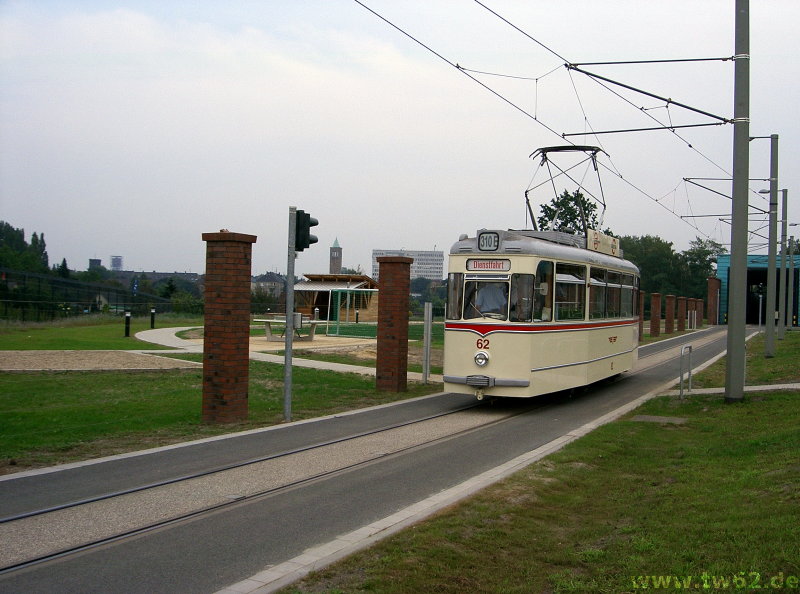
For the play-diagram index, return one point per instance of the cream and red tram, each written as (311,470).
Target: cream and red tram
(534,312)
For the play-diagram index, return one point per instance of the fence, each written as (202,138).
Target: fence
(31,297)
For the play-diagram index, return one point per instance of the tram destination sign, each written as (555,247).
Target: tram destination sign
(487,265)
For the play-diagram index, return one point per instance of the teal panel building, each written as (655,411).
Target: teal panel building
(757,287)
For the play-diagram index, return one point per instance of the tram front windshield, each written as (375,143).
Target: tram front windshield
(486,300)
(523,299)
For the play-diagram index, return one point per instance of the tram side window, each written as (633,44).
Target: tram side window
(628,305)
(522,298)
(543,293)
(486,299)
(597,293)
(455,295)
(570,291)
(614,295)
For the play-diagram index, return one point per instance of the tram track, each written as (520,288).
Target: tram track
(39,536)
(660,352)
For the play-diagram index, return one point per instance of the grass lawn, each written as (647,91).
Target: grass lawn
(87,333)
(710,504)
(783,368)
(50,418)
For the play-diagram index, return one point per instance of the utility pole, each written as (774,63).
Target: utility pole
(790,317)
(737,281)
(782,289)
(769,342)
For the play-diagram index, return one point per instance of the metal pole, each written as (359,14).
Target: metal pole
(737,283)
(289,335)
(782,285)
(769,318)
(790,312)
(426,348)
(687,348)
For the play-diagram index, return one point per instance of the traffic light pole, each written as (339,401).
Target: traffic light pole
(300,237)
(289,335)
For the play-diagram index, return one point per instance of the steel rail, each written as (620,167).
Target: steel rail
(93,544)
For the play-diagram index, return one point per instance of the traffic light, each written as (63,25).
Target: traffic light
(302,233)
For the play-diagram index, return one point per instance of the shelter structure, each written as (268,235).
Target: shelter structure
(757,287)
(337,297)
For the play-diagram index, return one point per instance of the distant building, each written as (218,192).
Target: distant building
(756,307)
(271,282)
(116,263)
(336,258)
(94,263)
(426,264)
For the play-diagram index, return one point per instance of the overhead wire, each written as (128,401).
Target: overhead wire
(534,117)
(456,66)
(567,62)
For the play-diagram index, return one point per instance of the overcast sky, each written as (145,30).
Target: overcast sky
(133,127)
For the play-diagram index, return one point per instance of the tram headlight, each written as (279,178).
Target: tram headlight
(481,359)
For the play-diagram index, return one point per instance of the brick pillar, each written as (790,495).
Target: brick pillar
(394,286)
(699,313)
(669,321)
(655,314)
(714,287)
(641,315)
(226,352)
(681,314)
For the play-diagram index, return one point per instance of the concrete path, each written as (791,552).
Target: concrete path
(259,348)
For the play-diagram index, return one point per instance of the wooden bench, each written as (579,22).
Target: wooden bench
(280,322)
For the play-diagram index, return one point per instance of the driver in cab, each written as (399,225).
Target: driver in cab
(492,298)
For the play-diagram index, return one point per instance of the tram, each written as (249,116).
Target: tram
(535,312)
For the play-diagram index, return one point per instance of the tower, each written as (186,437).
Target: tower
(336,258)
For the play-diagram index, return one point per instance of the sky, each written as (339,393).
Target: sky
(131,128)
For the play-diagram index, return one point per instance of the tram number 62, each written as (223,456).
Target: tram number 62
(482,343)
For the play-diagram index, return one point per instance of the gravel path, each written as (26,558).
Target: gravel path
(87,361)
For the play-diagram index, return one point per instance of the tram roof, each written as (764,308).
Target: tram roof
(545,244)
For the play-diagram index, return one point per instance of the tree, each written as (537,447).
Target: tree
(420,285)
(38,252)
(183,302)
(699,261)
(62,269)
(667,272)
(564,214)
(17,254)
(657,261)
(263,301)
(167,289)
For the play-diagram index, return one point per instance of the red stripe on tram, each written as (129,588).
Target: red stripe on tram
(484,329)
